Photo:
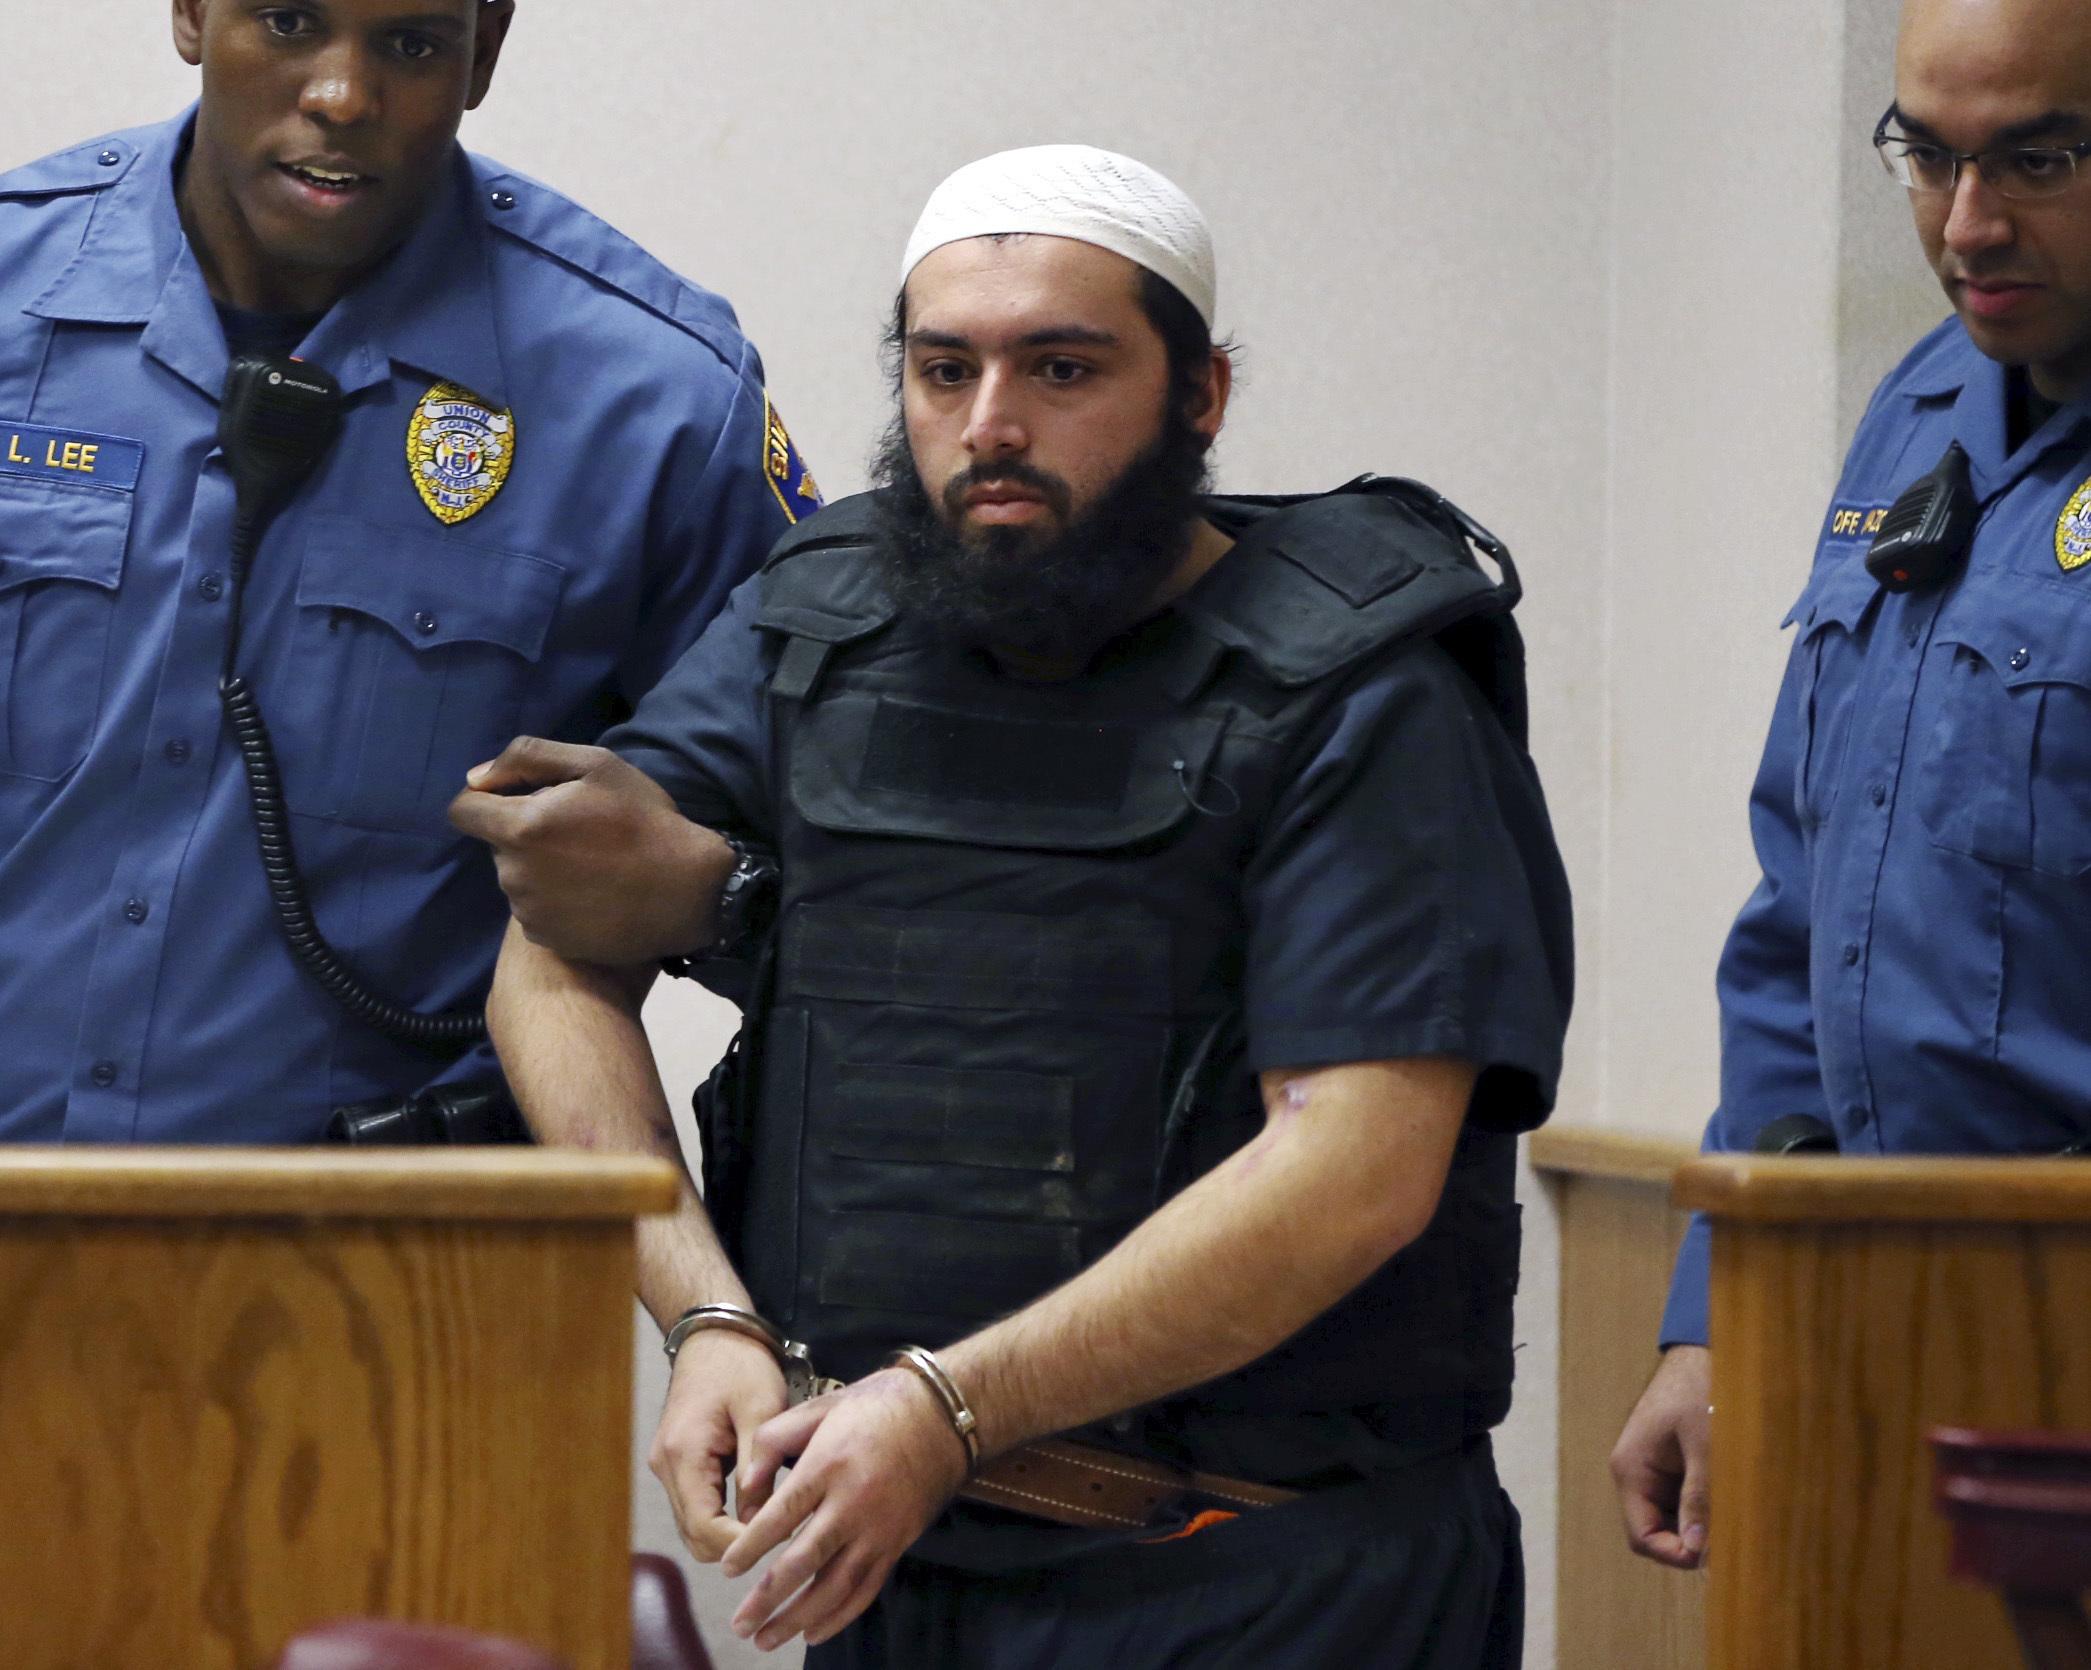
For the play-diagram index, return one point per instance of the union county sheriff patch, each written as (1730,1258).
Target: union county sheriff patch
(784,469)
(2073,531)
(459,450)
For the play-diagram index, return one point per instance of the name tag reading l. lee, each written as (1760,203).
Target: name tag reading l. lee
(70,455)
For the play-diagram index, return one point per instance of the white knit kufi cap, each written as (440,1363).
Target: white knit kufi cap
(1076,191)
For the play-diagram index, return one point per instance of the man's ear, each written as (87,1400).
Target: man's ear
(188,30)
(1210,411)
(490,34)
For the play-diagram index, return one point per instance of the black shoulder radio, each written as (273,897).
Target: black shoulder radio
(1926,532)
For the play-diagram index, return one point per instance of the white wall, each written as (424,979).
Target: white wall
(1493,246)
(1765,278)
(1723,438)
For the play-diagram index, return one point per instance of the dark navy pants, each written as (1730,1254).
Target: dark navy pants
(1421,1571)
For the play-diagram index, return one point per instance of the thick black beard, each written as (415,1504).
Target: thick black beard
(1057,596)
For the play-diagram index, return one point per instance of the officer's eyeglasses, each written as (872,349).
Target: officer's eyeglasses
(2012,170)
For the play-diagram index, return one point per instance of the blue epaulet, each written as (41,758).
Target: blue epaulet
(533,213)
(94,166)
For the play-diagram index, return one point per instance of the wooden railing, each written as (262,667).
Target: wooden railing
(1619,1235)
(242,1392)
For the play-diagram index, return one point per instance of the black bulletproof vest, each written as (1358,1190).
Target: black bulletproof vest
(1003,1020)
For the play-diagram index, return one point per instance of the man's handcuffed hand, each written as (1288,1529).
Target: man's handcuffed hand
(724,1388)
(597,862)
(871,1466)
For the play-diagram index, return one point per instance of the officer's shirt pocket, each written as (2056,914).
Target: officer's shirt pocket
(61,561)
(2001,730)
(1833,617)
(411,653)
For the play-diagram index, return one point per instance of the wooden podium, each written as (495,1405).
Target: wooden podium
(1857,1304)
(243,1391)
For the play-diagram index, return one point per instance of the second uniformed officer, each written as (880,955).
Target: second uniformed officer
(554,461)
(1909,972)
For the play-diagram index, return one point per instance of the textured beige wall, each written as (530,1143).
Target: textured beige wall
(1765,278)
(1723,383)
(1485,245)
(1886,296)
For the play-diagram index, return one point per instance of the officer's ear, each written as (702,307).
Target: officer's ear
(490,33)
(188,30)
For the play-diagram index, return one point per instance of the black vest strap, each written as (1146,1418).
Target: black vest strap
(799,668)
(821,591)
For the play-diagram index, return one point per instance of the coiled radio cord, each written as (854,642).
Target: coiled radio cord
(455,1031)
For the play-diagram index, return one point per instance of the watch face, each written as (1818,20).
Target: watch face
(744,901)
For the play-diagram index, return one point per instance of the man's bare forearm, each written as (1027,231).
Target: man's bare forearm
(576,1056)
(1346,1172)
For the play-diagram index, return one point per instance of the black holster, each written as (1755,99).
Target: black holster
(451,1115)
(725,1100)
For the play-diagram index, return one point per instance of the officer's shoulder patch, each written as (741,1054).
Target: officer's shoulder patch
(459,452)
(94,166)
(534,214)
(796,491)
(2073,531)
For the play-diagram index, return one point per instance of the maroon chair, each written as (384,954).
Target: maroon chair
(664,1637)
(664,1630)
(2019,1504)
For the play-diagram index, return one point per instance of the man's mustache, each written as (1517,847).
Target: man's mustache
(1007,472)
(1979,274)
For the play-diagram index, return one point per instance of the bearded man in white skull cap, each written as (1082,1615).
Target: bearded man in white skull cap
(1151,941)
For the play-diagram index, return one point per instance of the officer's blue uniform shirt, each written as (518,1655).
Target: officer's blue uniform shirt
(558,460)
(1911,966)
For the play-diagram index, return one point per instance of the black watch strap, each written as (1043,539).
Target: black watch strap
(746,905)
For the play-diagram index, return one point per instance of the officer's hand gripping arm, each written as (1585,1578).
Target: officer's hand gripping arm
(598,864)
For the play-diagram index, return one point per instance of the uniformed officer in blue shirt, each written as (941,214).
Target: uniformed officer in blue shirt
(557,460)
(1910,969)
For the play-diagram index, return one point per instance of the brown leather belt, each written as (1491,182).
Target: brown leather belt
(1078,1484)
(1075,1484)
